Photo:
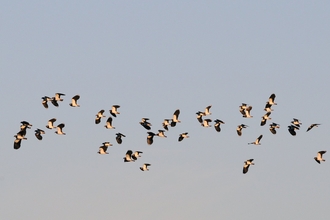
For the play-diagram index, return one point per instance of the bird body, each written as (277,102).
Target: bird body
(246,166)
(175,118)
(319,158)
(312,126)
(183,136)
(119,137)
(239,129)
(108,124)
(114,110)
(150,138)
(257,141)
(99,115)
(128,156)
(74,100)
(217,125)
(50,124)
(60,129)
(144,122)
(145,167)
(38,133)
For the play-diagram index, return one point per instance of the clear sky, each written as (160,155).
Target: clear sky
(151,58)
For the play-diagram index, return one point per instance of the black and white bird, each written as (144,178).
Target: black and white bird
(150,137)
(74,100)
(26,124)
(200,116)
(175,118)
(257,141)
(57,98)
(319,158)
(128,156)
(248,112)
(292,129)
(217,124)
(161,133)
(246,166)
(206,122)
(166,123)
(268,107)
(60,129)
(145,167)
(239,129)
(45,101)
(38,133)
(119,138)
(207,110)
(312,126)
(273,127)
(265,118)
(114,110)
(21,135)
(108,124)
(103,149)
(271,99)
(242,109)
(99,115)
(296,122)
(17,142)
(136,155)
(50,124)
(183,136)
(144,122)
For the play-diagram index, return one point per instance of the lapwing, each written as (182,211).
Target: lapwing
(99,115)
(74,100)
(207,110)
(273,127)
(265,118)
(319,158)
(144,122)
(206,122)
(114,111)
(103,149)
(17,143)
(296,122)
(136,155)
(239,129)
(45,101)
(242,109)
(108,124)
(57,98)
(50,124)
(161,133)
(246,166)
(200,116)
(248,112)
(59,129)
(183,136)
(119,137)
(268,107)
(128,156)
(257,141)
(312,126)
(217,125)
(166,123)
(38,133)
(271,99)
(292,128)
(175,118)
(145,167)
(150,137)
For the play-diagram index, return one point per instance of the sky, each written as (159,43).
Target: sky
(151,58)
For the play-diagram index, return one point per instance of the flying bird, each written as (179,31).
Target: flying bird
(161,133)
(248,112)
(271,99)
(108,124)
(136,155)
(217,125)
(74,100)
(273,127)
(257,142)
(242,109)
(45,101)
(128,156)
(118,137)
(103,149)
(99,115)
(265,118)
(166,123)
(319,158)
(38,133)
(17,143)
(239,129)
(207,110)
(145,167)
(144,122)
(296,122)
(268,107)
(175,118)
(57,98)
(50,124)
(150,138)
(114,111)
(246,166)
(312,126)
(200,116)
(292,128)
(183,136)
(206,123)
(59,129)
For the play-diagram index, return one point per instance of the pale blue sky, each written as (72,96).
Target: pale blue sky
(153,58)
